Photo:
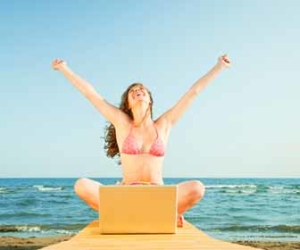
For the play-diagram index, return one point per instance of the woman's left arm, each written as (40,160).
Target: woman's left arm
(172,115)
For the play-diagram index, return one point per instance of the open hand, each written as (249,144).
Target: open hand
(224,61)
(58,63)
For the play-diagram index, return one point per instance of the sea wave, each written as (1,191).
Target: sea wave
(4,190)
(19,228)
(261,228)
(238,191)
(59,229)
(253,188)
(232,186)
(234,189)
(43,188)
(279,189)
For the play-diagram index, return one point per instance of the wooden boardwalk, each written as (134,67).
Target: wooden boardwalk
(188,237)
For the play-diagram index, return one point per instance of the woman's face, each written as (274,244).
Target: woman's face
(136,94)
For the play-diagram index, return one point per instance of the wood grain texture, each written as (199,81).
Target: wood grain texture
(188,237)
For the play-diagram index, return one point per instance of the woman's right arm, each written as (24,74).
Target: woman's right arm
(110,112)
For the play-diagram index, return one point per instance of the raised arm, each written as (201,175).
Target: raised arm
(172,115)
(110,112)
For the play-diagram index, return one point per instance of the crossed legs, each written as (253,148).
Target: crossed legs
(88,190)
(189,194)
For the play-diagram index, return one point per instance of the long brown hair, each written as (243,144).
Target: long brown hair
(111,145)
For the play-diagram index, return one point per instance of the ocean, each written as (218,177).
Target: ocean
(232,209)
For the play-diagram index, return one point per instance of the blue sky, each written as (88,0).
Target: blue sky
(245,124)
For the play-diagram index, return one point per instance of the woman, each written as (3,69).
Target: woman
(136,138)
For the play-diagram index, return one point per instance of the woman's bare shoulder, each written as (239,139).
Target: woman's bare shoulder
(161,124)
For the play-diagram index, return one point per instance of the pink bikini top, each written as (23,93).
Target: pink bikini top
(131,147)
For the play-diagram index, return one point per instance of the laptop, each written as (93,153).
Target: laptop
(138,209)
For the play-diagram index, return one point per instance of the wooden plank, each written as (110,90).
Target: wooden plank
(188,238)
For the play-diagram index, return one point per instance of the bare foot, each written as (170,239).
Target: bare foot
(180,220)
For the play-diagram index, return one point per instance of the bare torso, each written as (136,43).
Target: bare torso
(142,167)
